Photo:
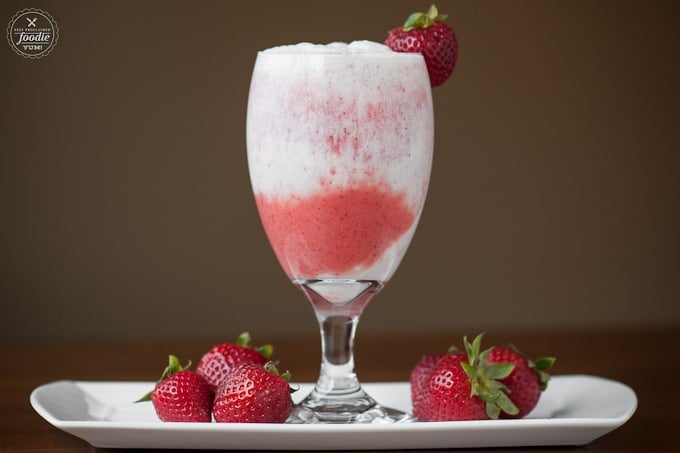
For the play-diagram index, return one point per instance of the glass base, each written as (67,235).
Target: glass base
(359,408)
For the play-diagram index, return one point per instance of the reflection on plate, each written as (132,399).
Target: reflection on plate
(574,410)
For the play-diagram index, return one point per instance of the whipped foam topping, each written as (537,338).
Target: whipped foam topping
(334,48)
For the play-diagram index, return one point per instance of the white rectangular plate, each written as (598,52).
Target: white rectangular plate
(574,410)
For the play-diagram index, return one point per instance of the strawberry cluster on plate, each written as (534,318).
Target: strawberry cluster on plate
(477,384)
(233,382)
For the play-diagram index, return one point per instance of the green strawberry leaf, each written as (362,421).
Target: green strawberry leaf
(244,340)
(417,20)
(484,354)
(452,349)
(433,14)
(266,350)
(492,410)
(423,20)
(146,397)
(506,405)
(541,367)
(173,367)
(272,367)
(544,363)
(472,349)
(499,370)
(471,372)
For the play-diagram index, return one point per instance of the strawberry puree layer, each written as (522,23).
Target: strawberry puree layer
(336,232)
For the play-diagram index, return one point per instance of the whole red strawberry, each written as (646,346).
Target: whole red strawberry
(462,387)
(252,393)
(526,381)
(436,41)
(217,362)
(421,373)
(447,394)
(181,395)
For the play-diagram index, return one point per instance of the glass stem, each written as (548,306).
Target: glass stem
(338,304)
(338,396)
(337,376)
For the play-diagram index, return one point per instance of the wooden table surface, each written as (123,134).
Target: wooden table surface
(645,360)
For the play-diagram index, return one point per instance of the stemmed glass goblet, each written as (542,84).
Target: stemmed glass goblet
(340,141)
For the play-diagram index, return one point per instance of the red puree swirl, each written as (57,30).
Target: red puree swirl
(333,231)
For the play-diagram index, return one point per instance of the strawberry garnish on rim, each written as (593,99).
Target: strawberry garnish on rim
(428,34)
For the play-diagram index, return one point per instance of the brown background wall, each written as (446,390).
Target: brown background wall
(125,205)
